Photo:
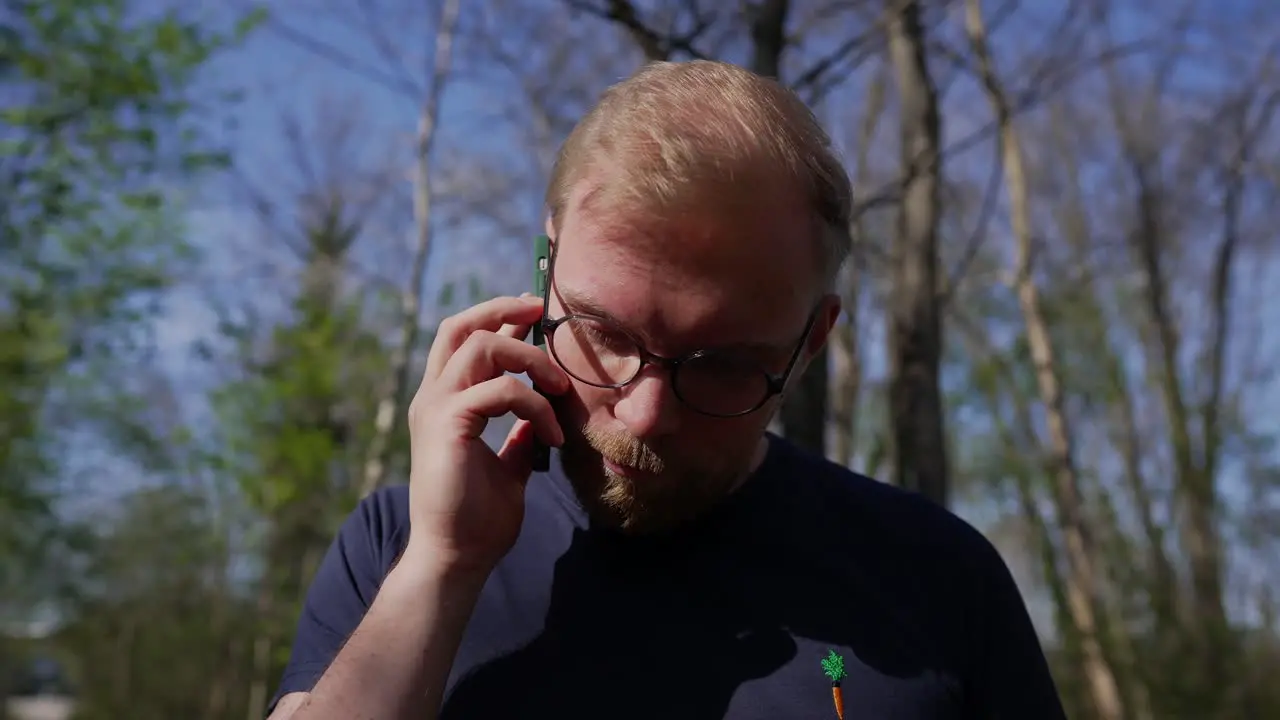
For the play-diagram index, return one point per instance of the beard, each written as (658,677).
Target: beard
(671,488)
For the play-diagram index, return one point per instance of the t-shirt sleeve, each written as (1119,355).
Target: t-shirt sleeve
(1011,677)
(344,587)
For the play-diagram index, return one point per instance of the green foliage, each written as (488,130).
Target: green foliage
(833,666)
(293,428)
(156,579)
(99,127)
(94,129)
(287,434)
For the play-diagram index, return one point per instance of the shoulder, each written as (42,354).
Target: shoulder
(376,530)
(342,588)
(859,512)
(384,513)
(902,548)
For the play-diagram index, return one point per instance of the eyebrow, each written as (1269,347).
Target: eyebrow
(579,303)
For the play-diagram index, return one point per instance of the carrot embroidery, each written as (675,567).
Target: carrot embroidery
(833,666)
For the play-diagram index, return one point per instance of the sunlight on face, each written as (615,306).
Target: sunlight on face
(639,458)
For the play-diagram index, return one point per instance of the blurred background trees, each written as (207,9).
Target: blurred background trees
(226,237)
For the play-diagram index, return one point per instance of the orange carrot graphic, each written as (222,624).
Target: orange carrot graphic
(833,666)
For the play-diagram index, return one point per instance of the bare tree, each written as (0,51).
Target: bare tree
(301,495)
(1082,580)
(847,353)
(915,326)
(1192,418)
(1125,557)
(804,412)
(410,297)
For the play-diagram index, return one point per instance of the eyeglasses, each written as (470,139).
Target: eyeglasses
(598,352)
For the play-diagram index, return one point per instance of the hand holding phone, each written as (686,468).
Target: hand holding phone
(541,265)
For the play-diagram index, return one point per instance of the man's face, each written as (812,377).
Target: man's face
(735,278)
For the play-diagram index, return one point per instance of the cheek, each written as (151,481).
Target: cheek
(583,403)
(719,438)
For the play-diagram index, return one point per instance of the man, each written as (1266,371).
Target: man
(677,561)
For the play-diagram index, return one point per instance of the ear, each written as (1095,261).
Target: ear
(550,228)
(823,324)
(828,316)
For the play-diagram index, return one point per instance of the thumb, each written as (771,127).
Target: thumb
(517,452)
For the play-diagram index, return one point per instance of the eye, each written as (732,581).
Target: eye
(605,336)
(725,366)
(722,384)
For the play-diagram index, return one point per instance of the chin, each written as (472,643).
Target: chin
(640,503)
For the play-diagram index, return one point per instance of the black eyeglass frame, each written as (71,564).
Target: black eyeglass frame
(775,382)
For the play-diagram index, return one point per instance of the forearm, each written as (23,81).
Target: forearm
(396,663)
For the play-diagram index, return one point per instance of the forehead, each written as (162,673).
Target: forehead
(704,278)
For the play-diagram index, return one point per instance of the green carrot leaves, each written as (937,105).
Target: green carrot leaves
(833,666)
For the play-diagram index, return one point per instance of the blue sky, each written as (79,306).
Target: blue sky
(278,77)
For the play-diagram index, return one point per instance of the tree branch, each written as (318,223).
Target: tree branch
(655,45)
(341,59)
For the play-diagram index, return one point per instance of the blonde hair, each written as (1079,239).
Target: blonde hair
(711,126)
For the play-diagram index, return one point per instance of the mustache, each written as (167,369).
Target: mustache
(623,449)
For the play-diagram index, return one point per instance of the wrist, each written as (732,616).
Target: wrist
(398,660)
(438,598)
(424,565)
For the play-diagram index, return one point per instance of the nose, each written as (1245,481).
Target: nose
(648,406)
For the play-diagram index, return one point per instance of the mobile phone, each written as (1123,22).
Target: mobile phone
(541,264)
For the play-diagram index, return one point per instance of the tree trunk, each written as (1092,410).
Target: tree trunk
(389,404)
(804,412)
(260,677)
(1156,577)
(1194,463)
(1082,575)
(847,367)
(1196,492)
(915,328)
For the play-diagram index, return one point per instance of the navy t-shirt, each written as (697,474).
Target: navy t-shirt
(731,618)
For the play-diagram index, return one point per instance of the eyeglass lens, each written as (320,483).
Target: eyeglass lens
(600,354)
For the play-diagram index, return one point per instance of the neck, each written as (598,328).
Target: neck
(757,459)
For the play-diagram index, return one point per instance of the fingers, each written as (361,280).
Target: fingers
(487,355)
(490,315)
(496,397)
(517,451)
(516,332)
(465,378)
(519,332)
